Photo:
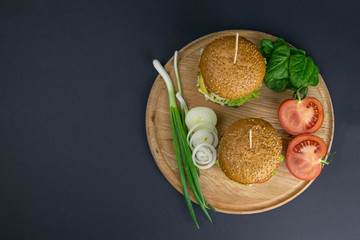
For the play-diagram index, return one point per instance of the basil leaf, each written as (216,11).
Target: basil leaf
(294,51)
(277,85)
(314,78)
(278,65)
(300,69)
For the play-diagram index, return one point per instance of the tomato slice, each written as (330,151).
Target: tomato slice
(264,181)
(303,156)
(297,118)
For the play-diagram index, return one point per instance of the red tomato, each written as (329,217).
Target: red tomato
(303,156)
(297,118)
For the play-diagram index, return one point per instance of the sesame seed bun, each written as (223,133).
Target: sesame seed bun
(250,165)
(229,80)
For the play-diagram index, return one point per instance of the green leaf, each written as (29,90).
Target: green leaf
(290,66)
(300,69)
(291,87)
(279,42)
(314,78)
(278,65)
(294,51)
(266,48)
(240,101)
(235,102)
(265,55)
(267,43)
(277,85)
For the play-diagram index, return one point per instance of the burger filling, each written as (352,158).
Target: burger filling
(209,95)
(274,172)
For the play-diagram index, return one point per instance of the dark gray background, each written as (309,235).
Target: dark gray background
(74,81)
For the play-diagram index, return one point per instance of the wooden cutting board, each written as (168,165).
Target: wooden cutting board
(223,194)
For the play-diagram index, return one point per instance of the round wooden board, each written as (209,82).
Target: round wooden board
(223,194)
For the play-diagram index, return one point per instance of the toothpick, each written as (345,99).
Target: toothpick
(236,47)
(250,137)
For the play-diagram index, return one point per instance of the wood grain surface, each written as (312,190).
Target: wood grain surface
(223,194)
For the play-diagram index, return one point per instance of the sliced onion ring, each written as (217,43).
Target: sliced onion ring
(202,136)
(211,129)
(207,163)
(199,137)
(203,152)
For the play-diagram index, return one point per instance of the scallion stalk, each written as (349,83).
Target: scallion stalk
(186,166)
(180,92)
(193,170)
(179,87)
(174,122)
(177,72)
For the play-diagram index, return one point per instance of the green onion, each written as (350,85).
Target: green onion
(187,170)
(177,72)
(179,86)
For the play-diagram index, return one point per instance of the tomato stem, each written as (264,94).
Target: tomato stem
(323,162)
(301,91)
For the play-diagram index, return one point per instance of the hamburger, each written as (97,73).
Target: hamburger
(250,151)
(231,71)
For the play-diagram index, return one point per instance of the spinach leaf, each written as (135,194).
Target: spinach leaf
(294,51)
(277,85)
(267,43)
(314,78)
(278,65)
(300,69)
(291,87)
(288,68)
(279,42)
(266,48)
